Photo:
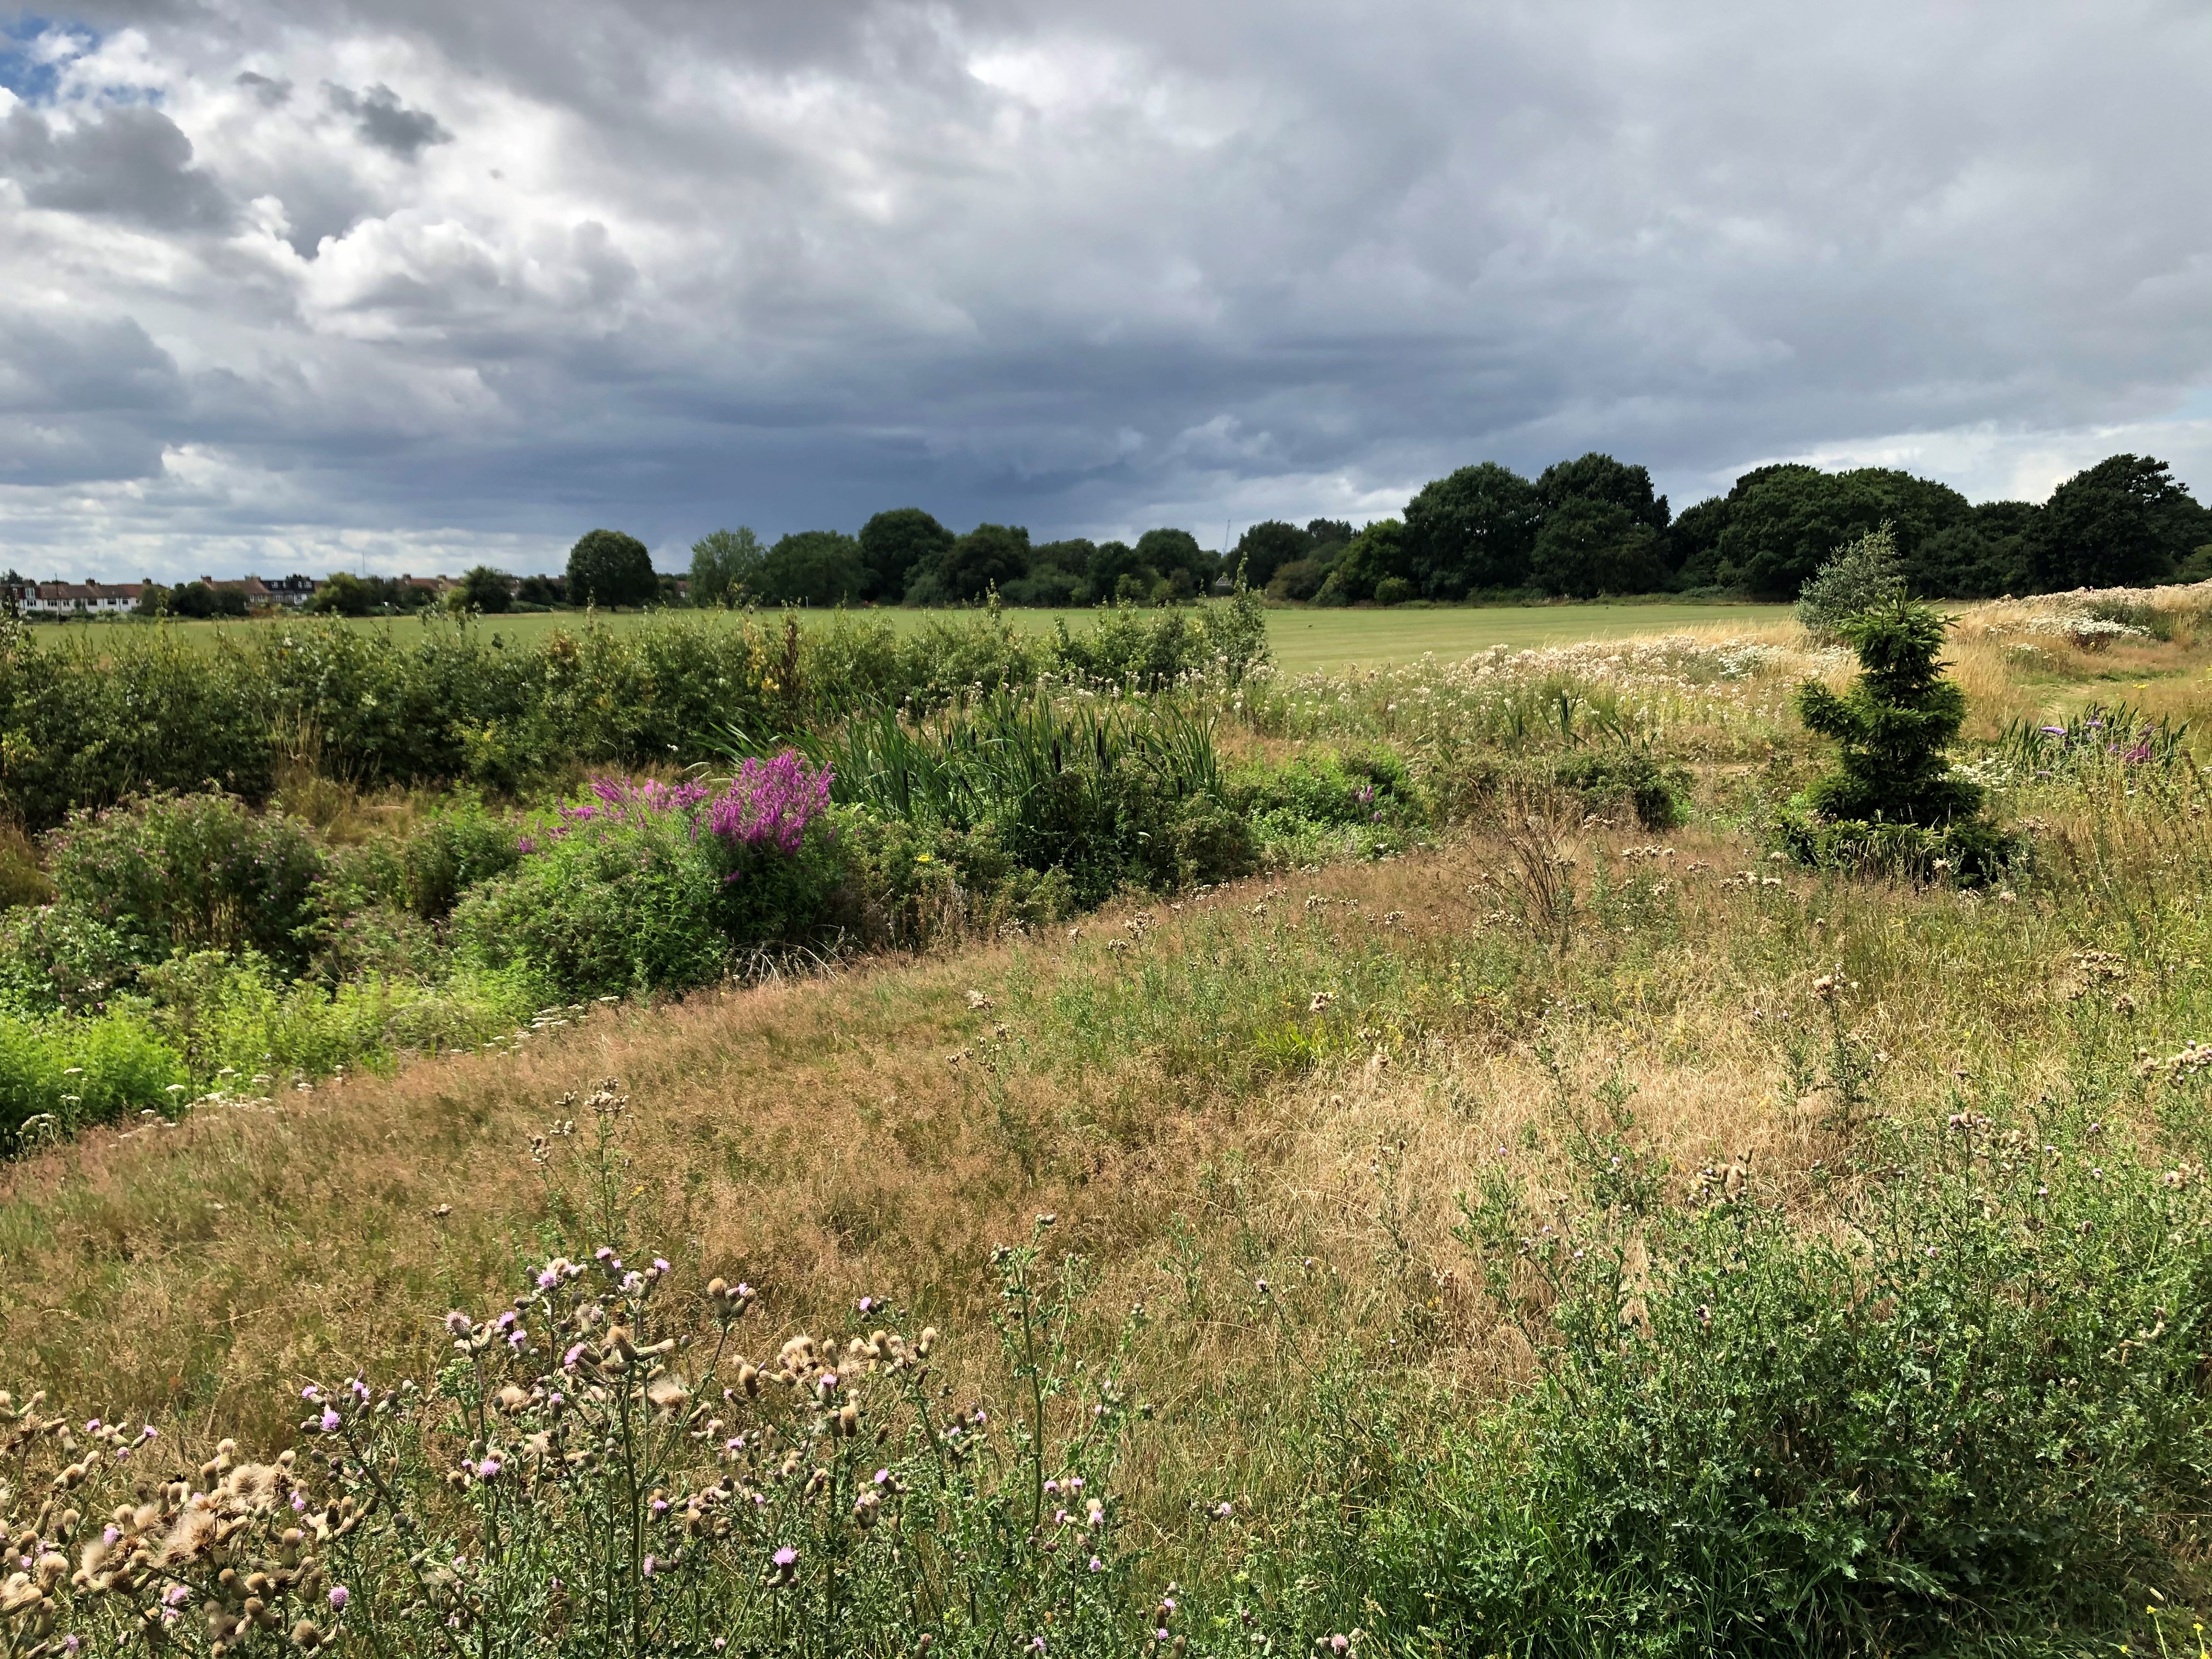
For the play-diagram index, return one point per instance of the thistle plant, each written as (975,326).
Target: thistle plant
(594,1471)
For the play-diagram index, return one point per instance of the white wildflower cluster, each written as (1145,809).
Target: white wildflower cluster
(1728,692)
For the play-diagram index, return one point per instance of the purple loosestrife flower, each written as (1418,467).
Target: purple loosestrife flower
(770,803)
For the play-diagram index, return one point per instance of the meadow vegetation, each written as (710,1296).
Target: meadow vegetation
(1476,1185)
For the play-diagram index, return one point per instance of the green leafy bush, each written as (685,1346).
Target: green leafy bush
(1606,777)
(1396,590)
(425,870)
(60,957)
(644,886)
(57,1075)
(1973,1409)
(85,722)
(1146,649)
(909,883)
(233,1012)
(1864,574)
(187,871)
(1349,802)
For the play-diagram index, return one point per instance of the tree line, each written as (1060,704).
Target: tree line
(1595,526)
(1580,529)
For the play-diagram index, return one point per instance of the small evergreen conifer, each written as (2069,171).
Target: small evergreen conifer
(1893,797)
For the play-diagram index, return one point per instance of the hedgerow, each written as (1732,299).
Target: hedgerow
(86,721)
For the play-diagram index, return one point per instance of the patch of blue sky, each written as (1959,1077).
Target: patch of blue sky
(29,67)
(36,50)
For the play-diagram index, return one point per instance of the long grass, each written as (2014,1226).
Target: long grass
(1255,1112)
(984,758)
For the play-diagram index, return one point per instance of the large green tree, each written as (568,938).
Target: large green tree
(1589,546)
(343,594)
(487,590)
(893,546)
(606,567)
(988,557)
(1693,543)
(1267,547)
(1116,573)
(1170,551)
(812,567)
(725,564)
(1377,554)
(2124,522)
(1785,522)
(1328,537)
(1471,530)
(1987,553)
(1597,478)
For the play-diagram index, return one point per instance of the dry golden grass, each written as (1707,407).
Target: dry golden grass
(1163,1084)
(815,1138)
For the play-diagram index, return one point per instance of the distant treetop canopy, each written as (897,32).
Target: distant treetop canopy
(1586,528)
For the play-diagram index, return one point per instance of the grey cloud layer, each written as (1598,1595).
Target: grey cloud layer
(330,279)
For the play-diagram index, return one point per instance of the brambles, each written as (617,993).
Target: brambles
(188,872)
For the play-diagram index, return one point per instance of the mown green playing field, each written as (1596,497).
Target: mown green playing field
(1304,641)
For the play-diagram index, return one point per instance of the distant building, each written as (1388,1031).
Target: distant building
(294,590)
(75,599)
(255,590)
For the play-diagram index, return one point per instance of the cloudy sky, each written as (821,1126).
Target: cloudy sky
(420,283)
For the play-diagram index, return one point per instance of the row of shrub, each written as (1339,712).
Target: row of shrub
(85,722)
(219,936)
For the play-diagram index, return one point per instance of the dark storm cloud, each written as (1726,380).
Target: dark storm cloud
(267,89)
(126,161)
(81,400)
(387,124)
(673,263)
